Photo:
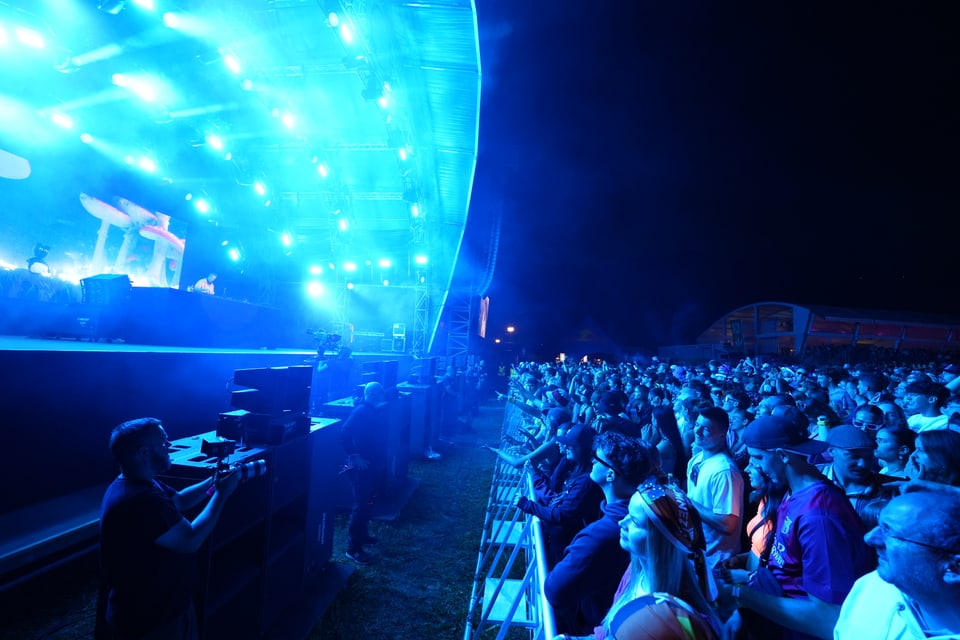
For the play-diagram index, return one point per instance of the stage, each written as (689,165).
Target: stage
(60,400)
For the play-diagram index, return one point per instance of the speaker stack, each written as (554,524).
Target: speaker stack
(272,409)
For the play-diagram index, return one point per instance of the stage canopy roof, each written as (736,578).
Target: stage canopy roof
(297,139)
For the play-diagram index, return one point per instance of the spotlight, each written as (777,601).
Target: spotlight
(61,120)
(29,37)
(113,7)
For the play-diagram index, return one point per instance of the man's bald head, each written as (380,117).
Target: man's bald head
(373,392)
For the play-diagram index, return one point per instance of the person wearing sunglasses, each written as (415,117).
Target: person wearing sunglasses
(869,418)
(581,586)
(915,590)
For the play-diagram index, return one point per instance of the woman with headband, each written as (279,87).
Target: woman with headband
(666,591)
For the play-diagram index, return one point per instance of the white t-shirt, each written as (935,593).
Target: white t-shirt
(719,487)
(920,423)
(877,610)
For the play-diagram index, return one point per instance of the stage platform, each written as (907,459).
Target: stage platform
(60,400)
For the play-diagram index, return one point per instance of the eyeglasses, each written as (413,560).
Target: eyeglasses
(869,426)
(596,458)
(885,534)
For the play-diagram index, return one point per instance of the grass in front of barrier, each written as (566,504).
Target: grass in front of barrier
(420,581)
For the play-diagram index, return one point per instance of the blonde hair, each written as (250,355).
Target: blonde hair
(671,570)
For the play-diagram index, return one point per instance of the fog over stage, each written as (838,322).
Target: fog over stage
(299,149)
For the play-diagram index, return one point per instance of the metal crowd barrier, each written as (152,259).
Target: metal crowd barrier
(507,587)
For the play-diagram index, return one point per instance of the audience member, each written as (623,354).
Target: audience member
(893,415)
(852,469)
(871,388)
(894,447)
(922,402)
(868,418)
(581,586)
(664,432)
(840,401)
(667,585)
(610,416)
(572,500)
(818,549)
(936,457)
(914,592)
(715,485)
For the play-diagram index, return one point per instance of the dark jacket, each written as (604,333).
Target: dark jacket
(364,434)
(581,587)
(564,513)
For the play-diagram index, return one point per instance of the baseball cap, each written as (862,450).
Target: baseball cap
(777,432)
(579,434)
(849,437)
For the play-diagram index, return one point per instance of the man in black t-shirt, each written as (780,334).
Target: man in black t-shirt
(147,547)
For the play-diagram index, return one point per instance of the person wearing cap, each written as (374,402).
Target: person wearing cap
(922,402)
(715,485)
(581,586)
(949,374)
(914,592)
(818,549)
(572,501)
(852,469)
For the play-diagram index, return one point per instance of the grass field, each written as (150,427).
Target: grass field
(418,586)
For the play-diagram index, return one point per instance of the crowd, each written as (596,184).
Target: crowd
(743,499)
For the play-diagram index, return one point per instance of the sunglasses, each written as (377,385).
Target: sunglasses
(596,458)
(868,426)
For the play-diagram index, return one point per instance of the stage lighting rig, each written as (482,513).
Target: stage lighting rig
(113,7)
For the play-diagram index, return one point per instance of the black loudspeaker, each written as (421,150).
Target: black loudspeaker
(389,373)
(427,370)
(106,289)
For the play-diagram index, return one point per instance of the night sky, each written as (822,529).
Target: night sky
(656,164)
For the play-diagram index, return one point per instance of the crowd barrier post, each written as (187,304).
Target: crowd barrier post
(507,589)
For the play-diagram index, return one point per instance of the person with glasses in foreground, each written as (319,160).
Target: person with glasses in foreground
(915,591)
(581,586)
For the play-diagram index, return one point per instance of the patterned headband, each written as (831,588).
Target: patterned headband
(673,515)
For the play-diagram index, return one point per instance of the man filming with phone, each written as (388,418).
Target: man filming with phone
(147,546)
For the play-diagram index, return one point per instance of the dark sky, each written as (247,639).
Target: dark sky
(656,164)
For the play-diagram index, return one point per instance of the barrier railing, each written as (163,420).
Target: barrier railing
(507,589)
